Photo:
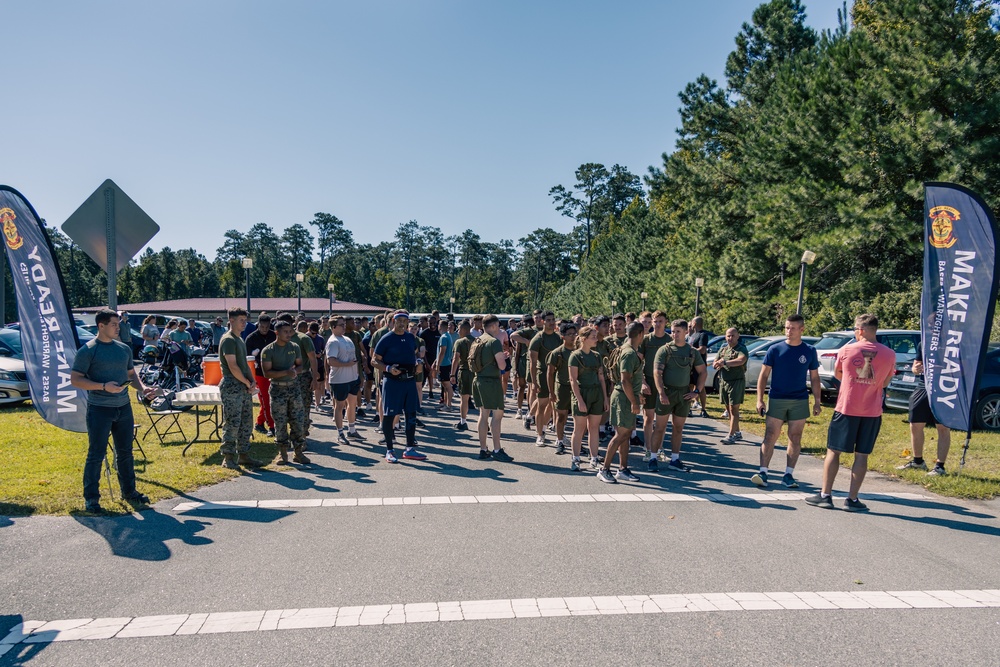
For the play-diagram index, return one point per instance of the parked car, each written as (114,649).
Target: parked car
(82,334)
(137,342)
(904,342)
(13,377)
(986,413)
(714,345)
(756,359)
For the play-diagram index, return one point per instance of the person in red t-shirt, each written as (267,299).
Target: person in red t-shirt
(864,369)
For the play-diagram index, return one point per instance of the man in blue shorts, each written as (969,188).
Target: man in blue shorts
(395,358)
(787,364)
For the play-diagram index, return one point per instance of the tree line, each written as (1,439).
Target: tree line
(813,141)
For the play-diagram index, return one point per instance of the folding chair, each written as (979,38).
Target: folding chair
(172,425)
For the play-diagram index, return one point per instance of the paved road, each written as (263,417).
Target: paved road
(433,533)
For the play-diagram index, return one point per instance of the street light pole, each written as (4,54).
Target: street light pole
(247,265)
(808,257)
(698,284)
(614,304)
(643,295)
(298,288)
(329,286)
(451,305)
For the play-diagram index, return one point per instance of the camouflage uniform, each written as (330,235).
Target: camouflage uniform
(237,416)
(305,378)
(286,408)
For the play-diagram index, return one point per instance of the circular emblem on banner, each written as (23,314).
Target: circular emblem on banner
(943,219)
(14,240)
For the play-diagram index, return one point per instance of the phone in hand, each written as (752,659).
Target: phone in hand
(761,410)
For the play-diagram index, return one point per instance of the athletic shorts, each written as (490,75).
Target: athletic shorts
(541,385)
(399,397)
(488,393)
(649,400)
(522,367)
(676,405)
(732,392)
(564,396)
(444,373)
(920,408)
(621,410)
(851,435)
(464,382)
(594,399)
(344,389)
(788,409)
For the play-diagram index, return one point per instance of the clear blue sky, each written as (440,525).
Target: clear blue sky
(215,115)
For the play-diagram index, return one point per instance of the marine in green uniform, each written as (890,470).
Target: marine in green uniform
(674,363)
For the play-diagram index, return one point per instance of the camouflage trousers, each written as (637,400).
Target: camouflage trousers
(305,381)
(288,414)
(237,416)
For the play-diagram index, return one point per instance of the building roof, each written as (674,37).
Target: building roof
(219,305)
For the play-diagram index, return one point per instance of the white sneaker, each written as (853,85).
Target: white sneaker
(540,441)
(725,414)
(519,413)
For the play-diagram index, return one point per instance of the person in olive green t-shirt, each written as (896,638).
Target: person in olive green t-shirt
(310,374)
(674,363)
(626,403)
(543,343)
(236,390)
(618,337)
(461,375)
(651,342)
(521,339)
(488,390)
(558,378)
(281,362)
(590,396)
(731,365)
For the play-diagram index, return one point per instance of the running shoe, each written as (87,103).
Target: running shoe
(502,456)
(729,440)
(574,465)
(760,479)
(854,505)
(560,447)
(912,465)
(540,441)
(259,428)
(938,471)
(725,414)
(819,501)
(390,457)
(360,412)
(678,465)
(606,476)
(270,432)
(527,423)
(342,437)
(519,414)
(789,481)
(355,435)
(635,442)
(485,454)
(626,475)
(652,465)
(412,454)
(738,435)
(462,426)
(595,464)
(704,413)
(419,423)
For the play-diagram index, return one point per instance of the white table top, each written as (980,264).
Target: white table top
(204,394)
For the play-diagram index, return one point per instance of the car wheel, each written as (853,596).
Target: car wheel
(988,412)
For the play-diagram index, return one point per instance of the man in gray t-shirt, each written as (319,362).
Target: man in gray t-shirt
(341,361)
(104,368)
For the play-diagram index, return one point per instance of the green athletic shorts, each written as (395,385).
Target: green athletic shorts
(649,400)
(464,382)
(788,409)
(594,398)
(732,392)
(564,397)
(676,404)
(542,384)
(621,410)
(488,393)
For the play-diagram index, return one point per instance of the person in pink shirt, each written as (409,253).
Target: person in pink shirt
(864,369)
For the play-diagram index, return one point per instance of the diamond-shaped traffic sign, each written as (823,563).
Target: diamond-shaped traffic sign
(109,208)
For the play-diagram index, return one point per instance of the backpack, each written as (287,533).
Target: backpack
(612,365)
(476,364)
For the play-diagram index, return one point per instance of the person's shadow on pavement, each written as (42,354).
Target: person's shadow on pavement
(144,537)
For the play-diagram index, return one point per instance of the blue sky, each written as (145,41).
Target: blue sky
(215,115)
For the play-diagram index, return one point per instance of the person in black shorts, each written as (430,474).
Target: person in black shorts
(920,418)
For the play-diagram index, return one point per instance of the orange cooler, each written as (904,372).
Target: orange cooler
(212,370)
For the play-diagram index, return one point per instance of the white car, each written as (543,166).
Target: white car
(904,342)
(13,377)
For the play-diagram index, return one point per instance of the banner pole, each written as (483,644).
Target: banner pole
(965,450)
(112,247)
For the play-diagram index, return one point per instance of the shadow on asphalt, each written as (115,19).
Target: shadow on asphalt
(19,654)
(952,524)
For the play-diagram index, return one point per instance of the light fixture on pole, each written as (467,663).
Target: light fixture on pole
(614,305)
(644,295)
(329,287)
(247,265)
(298,288)
(451,305)
(698,284)
(808,257)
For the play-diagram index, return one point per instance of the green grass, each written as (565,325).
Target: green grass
(980,478)
(43,468)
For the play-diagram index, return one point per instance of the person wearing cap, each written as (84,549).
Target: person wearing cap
(395,357)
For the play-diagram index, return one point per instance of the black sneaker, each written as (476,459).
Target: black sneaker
(502,456)
(138,499)
(461,426)
(678,465)
(95,509)
(854,506)
(760,479)
(635,442)
(819,501)
(259,428)
(419,423)
(485,454)
(360,412)
(653,465)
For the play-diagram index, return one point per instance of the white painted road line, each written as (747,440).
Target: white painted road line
(776,497)
(81,629)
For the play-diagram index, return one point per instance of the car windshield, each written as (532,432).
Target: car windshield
(12,339)
(831,342)
(758,342)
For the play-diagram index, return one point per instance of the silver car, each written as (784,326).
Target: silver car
(904,342)
(756,359)
(13,378)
